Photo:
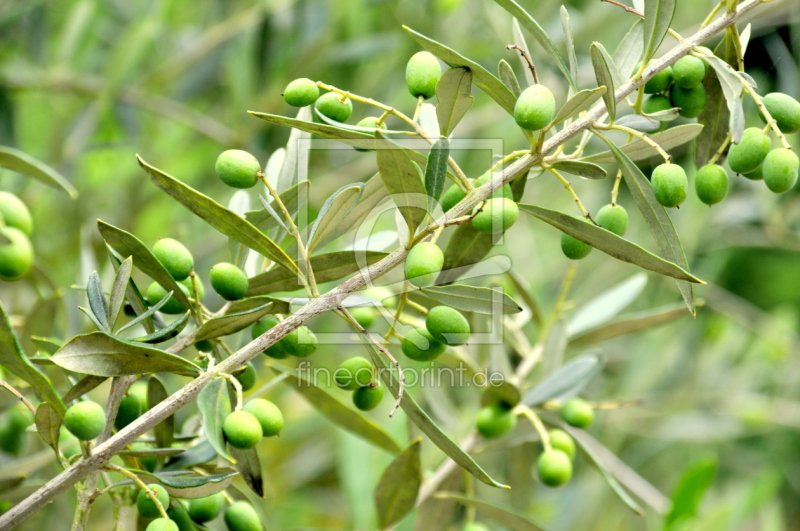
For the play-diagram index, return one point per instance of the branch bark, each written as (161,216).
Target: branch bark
(333,299)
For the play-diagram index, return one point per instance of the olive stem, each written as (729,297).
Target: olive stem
(617,181)
(469,490)
(571,191)
(714,13)
(237,387)
(398,312)
(418,110)
(528,60)
(139,483)
(537,424)
(421,309)
(721,150)
(638,134)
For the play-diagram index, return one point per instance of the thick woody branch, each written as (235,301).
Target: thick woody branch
(333,299)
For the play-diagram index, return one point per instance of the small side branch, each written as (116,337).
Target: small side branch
(527,58)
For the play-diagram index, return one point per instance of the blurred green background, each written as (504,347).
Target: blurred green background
(86,84)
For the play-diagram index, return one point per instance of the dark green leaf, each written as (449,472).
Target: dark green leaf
(630,325)
(566,382)
(14,359)
(715,116)
(214,404)
(126,244)
(338,413)
(473,299)
(657,20)
(610,243)
(249,466)
(333,211)
(21,162)
(196,455)
(48,423)
(578,167)
(166,333)
(165,430)
(403,181)
(100,354)
(640,150)
(230,323)
(602,72)
(658,220)
(360,139)
(134,296)
(86,384)
(118,290)
(692,486)
(465,248)
(97,301)
(327,267)
(505,517)
(481,77)
(183,485)
(428,427)
(579,103)
(436,169)
(290,199)
(149,312)
(508,77)
(398,487)
(153,452)
(219,217)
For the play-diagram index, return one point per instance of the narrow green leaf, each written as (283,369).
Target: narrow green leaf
(579,167)
(185,485)
(126,244)
(629,50)
(219,217)
(97,300)
(640,150)
(250,304)
(508,77)
(86,384)
(352,137)
(639,122)
(481,77)
(165,430)
(118,291)
(716,116)
(249,466)
(214,404)
(436,169)
(337,206)
(48,423)
(14,359)
(338,413)
(630,325)
(530,24)
(732,86)
(100,354)
(604,77)
(147,313)
(465,248)
(610,243)
(166,333)
(505,517)
(327,267)
(47,344)
(399,485)
(473,299)
(134,296)
(403,181)
(195,455)
(290,199)
(566,382)
(658,220)
(692,486)
(152,452)
(21,162)
(658,16)
(579,103)
(428,427)
(608,304)
(569,42)
(230,323)
(374,192)
(294,162)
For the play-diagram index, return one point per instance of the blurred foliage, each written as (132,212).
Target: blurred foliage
(86,84)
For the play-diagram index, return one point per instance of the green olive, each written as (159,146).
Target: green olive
(780,170)
(447,325)
(563,441)
(691,101)
(785,110)
(688,71)
(14,213)
(203,510)
(334,106)
(554,468)
(242,430)
(247,378)
(353,373)
(423,264)
(278,350)
(750,152)
(301,92)
(130,409)
(669,184)
(155,292)
(577,413)
(755,175)
(711,184)
(364,315)
(659,82)
(16,256)
(422,74)
(372,123)
(229,281)
(267,414)
(146,506)
(613,218)
(573,248)
(85,420)
(162,524)
(368,398)
(535,108)
(419,345)
(237,168)
(496,215)
(505,191)
(300,342)
(657,103)
(495,420)
(451,197)
(242,517)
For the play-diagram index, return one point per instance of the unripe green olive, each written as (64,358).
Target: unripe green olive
(573,248)
(368,398)
(691,101)
(750,152)
(755,175)
(447,325)
(247,378)
(155,292)
(85,420)
(15,213)
(301,92)
(495,420)
(130,409)
(300,342)
(12,432)
(785,110)
(203,510)
(162,524)
(688,71)
(497,215)
(242,517)
(267,414)
(505,191)
(277,350)
(364,315)
(711,184)
(178,514)
(237,168)
(16,257)
(657,103)
(146,506)
(669,184)
(419,345)
(563,441)
(422,73)
(189,285)
(242,430)
(780,170)
(535,108)
(204,345)
(334,106)
(554,468)
(353,373)
(577,413)
(423,264)
(659,82)
(613,218)
(175,258)
(475,526)
(451,197)
(229,281)
(372,123)
(148,463)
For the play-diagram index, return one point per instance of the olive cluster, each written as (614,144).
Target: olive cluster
(16,225)
(259,418)
(678,86)
(356,374)
(238,516)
